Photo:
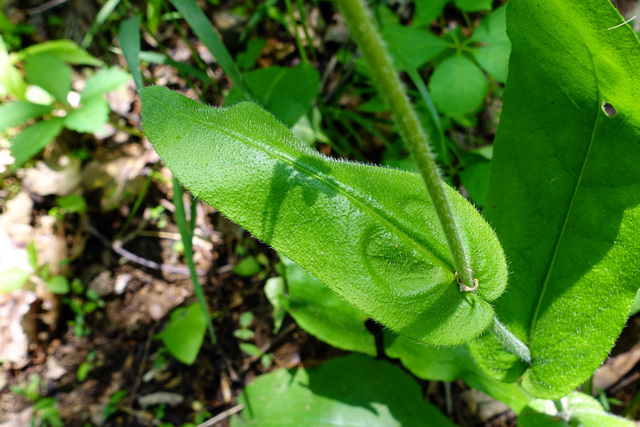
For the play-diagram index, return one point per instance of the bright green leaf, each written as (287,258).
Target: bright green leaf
(323,314)
(473,5)
(346,391)
(411,46)
(11,81)
(19,112)
(564,194)
(105,80)
(274,290)
(12,279)
(250,349)
(247,267)
(58,285)
(246,319)
(494,49)
(369,233)
(578,410)
(90,117)
(184,334)
(427,11)
(72,203)
(50,73)
(458,86)
(449,364)
(33,139)
(65,50)
(287,93)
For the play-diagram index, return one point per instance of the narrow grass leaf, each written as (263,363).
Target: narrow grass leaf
(129,39)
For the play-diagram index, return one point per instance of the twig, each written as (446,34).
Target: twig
(44,7)
(222,416)
(117,248)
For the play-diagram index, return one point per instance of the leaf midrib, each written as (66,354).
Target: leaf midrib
(356,198)
(564,227)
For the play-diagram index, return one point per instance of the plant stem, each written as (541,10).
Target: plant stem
(510,342)
(373,51)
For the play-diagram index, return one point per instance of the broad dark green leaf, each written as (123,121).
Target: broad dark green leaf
(578,410)
(427,11)
(564,193)
(19,112)
(287,93)
(458,86)
(346,391)
(473,5)
(50,73)
(30,141)
(325,315)
(369,233)
(449,364)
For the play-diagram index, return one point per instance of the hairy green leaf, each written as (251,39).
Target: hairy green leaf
(369,233)
(346,391)
(564,193)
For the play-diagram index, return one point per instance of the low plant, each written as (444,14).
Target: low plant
(562,199)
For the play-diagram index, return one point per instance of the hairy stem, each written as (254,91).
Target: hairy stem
(373,51)
(510,342)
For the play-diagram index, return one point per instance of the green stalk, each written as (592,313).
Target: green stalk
(294,30)
(373,51)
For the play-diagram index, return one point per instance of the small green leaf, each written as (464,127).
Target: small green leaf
(339,392)
(50,73)
(369,233)
(323,314)
(11,81)
(473,5)
(12,279)
(458,86)
(495,47)
(247,267)
(578,410)
(248,58)
(73,203)
(105,80)
(287,93)
(65,50)
(427,11)
(244,334)
(58,285)
(250,349)
(33,139)
(246,319)
(19,112)
(184,334)
(90,117)
(411,46)
(274,290)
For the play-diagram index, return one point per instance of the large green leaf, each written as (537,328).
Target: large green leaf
(347,391)
(412,47)
(325,315)
(50,73)
(30,141)
(19,112)
(369,233)
(565,190)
